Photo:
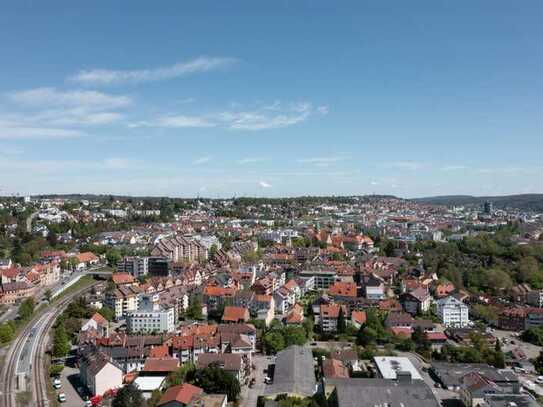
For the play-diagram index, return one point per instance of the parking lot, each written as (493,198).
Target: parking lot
(70,383)
(249,395)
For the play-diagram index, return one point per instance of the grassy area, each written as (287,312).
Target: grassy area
(85,281)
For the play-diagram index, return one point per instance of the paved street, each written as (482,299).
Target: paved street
(250,395)
(70,383)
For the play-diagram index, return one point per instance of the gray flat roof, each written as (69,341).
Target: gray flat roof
(294,372)
(380,392)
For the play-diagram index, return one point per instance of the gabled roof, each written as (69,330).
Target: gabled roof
(122,278)
(183,393)
(161,364)
(235,314)
(99,319)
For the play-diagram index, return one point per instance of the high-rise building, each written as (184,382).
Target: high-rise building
(488,208)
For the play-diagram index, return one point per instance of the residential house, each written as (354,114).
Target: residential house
(233,314)
(99,374)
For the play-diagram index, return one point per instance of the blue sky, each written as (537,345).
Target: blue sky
(285,98)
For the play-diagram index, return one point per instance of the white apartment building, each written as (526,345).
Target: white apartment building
(151,317)
(453,312)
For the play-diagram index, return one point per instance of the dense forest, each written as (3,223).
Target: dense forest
(489,263)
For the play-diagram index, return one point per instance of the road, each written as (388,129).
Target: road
(25,358)
(249,396)
(9,314)
(29,221)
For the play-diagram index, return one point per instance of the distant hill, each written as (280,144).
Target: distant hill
(525,202)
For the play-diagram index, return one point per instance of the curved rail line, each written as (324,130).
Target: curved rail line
(39,382)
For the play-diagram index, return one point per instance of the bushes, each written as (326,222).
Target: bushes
(533,336)
(279,338)
(7,332)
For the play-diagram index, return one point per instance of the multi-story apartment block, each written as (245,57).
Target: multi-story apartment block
(151,318)
(135,265)
(453,312)
(180,248)
(122,300)
(323,279)
(535,298)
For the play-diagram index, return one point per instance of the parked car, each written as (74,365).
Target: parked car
(539,380)
(62,397)
(57,384)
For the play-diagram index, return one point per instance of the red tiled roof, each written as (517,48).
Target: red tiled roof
(161,351)
(359,317)
(122,278)
(161,364)
(235,314)
(183,393)
(343,289)
(99,319)
(86,257)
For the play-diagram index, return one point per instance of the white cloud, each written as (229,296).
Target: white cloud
(202,160)
(408,165)
(454,168)
(110,77)
(251,160)
(52,97)
(322,160)
(175,122)
(263,118)
(264,184)
(323,110)
(23,133)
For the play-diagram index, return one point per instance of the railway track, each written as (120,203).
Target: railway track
(39,325)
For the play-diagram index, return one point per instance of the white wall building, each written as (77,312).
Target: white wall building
(151,317)
(453,312)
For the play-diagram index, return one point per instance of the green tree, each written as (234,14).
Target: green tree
(129,396)
(61,342)
(26,309)
(113,256)
(274,342)
(215,380)
(194,311)
(48,295)
(6,332)
(107,312)
(180,375)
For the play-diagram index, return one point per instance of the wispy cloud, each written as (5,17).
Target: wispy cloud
(175,122)
(450,168)
(52,97)
(11,132)
(251,160)
(203,160)
(323,160)
(282,115)
(408,165)
(264,184)
(111,77)
(45,111)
